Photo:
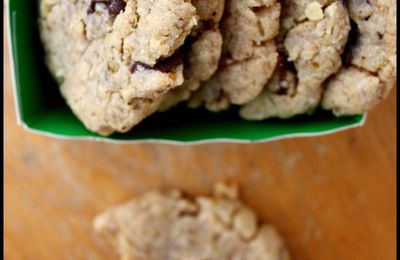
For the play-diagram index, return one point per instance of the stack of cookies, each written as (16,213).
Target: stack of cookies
(119,61)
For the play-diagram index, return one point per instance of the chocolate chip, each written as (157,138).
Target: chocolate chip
(114,6)
(282,91)
(137,64)
(220,96)
(166,65)
(284,67)
(208,24)
(352,41)
(259,9)
(380,35)
(91,8)
(170,63)
(283,88)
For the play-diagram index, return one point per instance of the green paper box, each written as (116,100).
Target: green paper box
(41,109)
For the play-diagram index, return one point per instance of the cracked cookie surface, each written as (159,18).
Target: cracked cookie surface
(173,226)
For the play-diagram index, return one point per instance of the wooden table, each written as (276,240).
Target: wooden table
(332,197)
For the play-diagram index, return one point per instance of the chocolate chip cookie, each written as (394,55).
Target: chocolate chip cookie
(115,59)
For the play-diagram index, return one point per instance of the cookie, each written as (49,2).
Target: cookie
(370,69)
(114,60)
(310,54)
(203,52)
(249,55)
(172,225)
(353,85)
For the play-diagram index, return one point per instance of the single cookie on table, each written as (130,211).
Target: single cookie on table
(249,55)
(114,60)
(174,226)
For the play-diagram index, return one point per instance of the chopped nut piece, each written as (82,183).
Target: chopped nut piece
(314,11)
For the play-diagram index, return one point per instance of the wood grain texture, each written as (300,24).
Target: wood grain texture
(332,197)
